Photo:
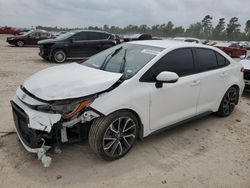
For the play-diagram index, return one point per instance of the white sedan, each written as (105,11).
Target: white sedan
(246,64)
(123,93)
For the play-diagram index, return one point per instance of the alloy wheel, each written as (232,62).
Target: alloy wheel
(119,137)
(229,102)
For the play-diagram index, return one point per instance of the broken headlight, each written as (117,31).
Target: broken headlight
(68,109)
(71,109)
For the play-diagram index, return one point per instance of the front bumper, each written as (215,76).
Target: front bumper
(247,85)
(45,53)
(32,125)
(10,41)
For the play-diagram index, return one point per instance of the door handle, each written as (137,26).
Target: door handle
(195,83)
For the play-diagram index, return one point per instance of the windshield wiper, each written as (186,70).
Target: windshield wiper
(124,61)
(106,60)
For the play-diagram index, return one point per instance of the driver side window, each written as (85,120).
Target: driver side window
(179,61)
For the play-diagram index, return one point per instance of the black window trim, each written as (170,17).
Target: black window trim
(181,48)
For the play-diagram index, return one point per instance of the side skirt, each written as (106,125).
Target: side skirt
(181,122)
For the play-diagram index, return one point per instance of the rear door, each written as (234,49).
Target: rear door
(98,41)
(213,77)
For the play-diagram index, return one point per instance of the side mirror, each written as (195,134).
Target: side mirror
(243,57)
(72,40)
(166,77)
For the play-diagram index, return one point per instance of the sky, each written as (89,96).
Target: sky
(83,13)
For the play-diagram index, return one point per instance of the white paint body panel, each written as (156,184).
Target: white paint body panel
(245,63)
(69,81)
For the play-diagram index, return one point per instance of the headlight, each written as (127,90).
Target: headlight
(68,110)
(71,109)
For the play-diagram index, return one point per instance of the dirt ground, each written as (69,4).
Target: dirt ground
(209,152)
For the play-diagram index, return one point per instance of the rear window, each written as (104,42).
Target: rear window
(222,61)
(207,59)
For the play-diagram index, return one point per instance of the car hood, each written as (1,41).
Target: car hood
(16,37)
(69,81)
(246,64)
(47,41)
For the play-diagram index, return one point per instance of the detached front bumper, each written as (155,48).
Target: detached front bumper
(34,129)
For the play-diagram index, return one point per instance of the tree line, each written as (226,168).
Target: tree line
(203,29)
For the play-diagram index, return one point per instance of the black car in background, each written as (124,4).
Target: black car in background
(29,38)
(143,36)
(76,44)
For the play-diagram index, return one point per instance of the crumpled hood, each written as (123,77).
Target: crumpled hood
(69,81)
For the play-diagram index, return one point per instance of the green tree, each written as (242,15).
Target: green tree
(247,30)
(233,29)
(207,26)
(218,32)
(195,30)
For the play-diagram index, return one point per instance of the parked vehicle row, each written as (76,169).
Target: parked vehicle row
(232,49)
(9,30)
(75,44)
(161,83)
(29,38)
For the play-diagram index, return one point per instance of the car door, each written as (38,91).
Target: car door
(78,46)
(173,102)
(213,77)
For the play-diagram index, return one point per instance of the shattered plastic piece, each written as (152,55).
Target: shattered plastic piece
(57,150)
(46,160)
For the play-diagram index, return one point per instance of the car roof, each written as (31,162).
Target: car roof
(169,44)
(96,31)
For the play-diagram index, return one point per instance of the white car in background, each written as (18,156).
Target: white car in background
(123,93)
(245,61)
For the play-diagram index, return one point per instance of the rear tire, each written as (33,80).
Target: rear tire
(228,102)
(113,136)
(59,56)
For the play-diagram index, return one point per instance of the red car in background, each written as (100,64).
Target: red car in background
(232,49)
(9,30)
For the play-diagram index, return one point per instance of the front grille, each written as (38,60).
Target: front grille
(21,120)
(247,75)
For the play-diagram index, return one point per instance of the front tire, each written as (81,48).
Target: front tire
(113,136)
(59,56)
(228,102)
(19,43)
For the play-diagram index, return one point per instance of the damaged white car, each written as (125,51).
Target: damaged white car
(124,93)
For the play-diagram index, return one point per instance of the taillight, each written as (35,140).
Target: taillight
(242,69)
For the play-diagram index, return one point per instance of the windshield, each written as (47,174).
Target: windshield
(125,58)
(65,35)
(27,33)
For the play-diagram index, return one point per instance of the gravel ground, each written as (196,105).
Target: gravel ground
(209,152)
